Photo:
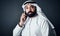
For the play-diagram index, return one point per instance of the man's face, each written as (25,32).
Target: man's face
(30,10)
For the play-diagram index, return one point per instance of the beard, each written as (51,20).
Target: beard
(32,14)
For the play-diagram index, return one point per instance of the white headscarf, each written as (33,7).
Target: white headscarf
(39,11)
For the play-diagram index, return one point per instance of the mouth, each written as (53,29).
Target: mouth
(30,13)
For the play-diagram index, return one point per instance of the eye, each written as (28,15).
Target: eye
(26,7)
(32,6)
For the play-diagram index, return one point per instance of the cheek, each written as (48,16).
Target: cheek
(26,10)
(32,10)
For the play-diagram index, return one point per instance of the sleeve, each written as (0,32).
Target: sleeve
(17,30)
(45,28)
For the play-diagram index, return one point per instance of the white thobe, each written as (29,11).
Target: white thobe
(36,26)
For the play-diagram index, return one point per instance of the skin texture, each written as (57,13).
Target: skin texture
(30,10)
(29,7)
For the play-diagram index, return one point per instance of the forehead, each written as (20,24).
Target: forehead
(29,5)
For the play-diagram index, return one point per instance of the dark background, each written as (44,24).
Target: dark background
(10,12)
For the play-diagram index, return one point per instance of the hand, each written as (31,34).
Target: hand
(22,19)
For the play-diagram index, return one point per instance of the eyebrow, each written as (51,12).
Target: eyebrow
(31,6)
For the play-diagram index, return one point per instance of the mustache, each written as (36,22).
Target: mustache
(30,12)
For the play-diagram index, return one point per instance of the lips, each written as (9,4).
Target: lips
(29,12)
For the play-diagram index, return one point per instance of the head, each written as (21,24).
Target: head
(30,10)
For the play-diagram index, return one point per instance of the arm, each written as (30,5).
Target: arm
(19,27)
(17,30)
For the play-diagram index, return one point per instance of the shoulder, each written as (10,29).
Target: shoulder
(41,19)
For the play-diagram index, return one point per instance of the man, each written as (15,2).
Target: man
(33,22)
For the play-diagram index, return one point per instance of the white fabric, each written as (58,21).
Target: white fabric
(39,12)
(33,27)
(36,26)
(17,30)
